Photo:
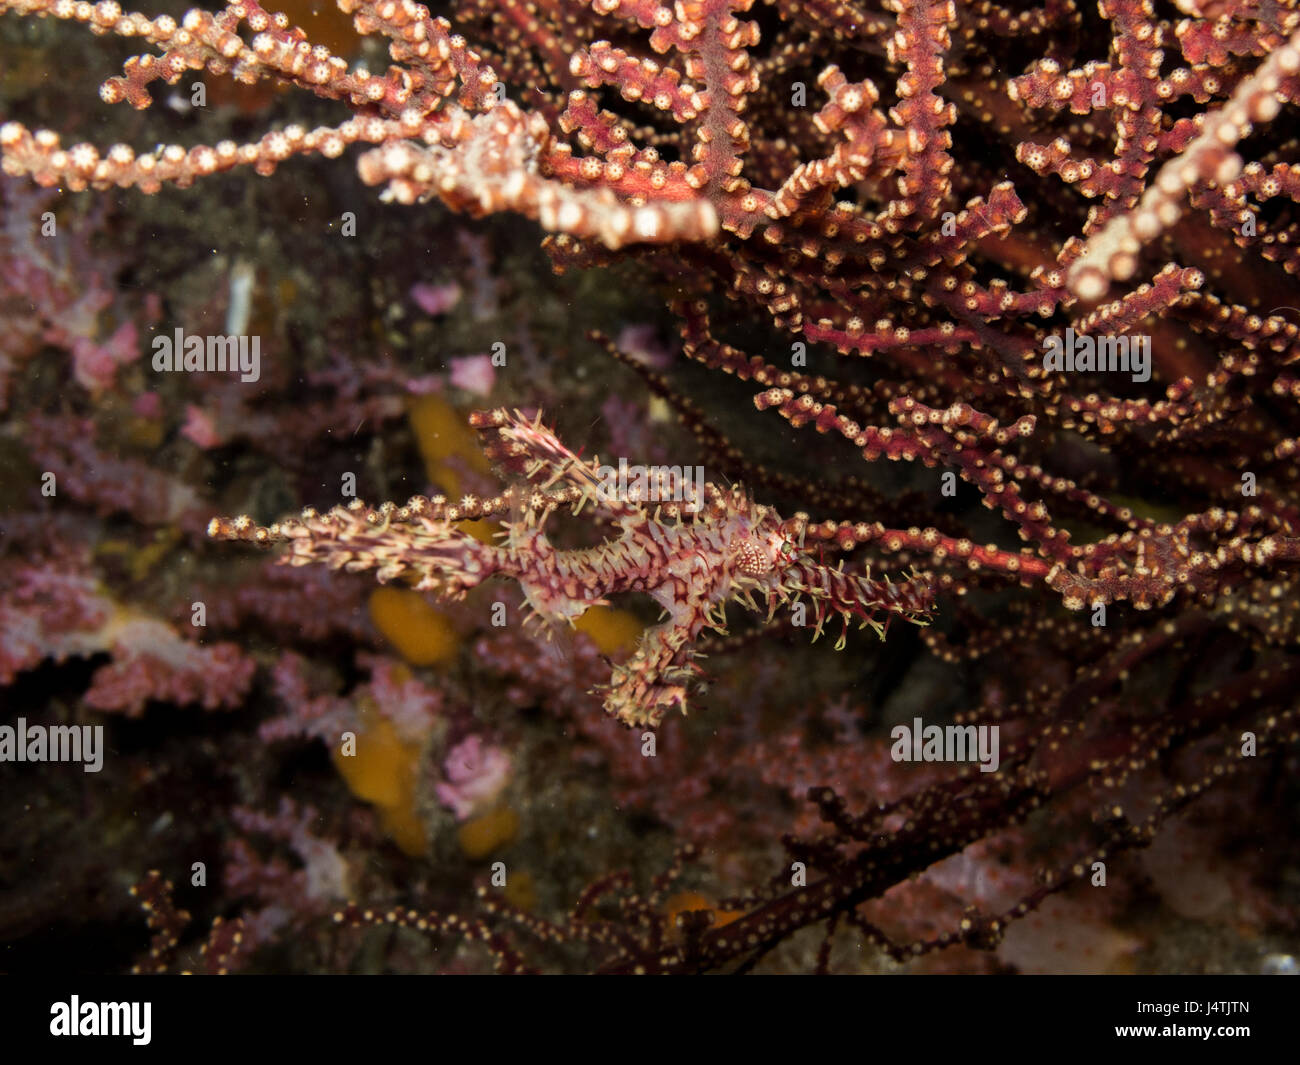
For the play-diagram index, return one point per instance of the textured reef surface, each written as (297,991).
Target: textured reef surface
(828,469)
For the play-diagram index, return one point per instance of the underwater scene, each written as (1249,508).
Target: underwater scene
(623,486)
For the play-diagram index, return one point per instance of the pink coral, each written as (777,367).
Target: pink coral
(474,373)
(64,296)
(434,300)
(411,706)
(200,428)
(476,776)
(55,611)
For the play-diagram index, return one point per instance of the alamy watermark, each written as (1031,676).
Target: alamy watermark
(53,743)
(78,1018)
(194,354)
(1081,354)
(946,743)
(655,484)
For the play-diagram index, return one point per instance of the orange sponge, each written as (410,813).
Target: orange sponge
(449,447)
(447,443)
(483,835)
(421,634)
(611,630)
(384,771)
